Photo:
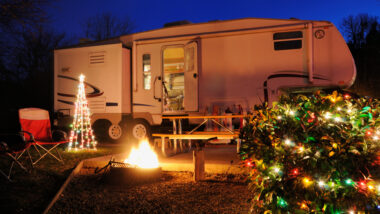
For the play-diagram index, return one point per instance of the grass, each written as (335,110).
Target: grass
(31,192)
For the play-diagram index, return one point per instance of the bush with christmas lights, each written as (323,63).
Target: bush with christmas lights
(314,154)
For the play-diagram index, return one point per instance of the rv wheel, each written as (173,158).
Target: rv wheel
(105,131)
(139,130)
(115,132)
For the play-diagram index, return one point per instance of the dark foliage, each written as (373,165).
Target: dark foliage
(27,79)
(26,59)
(363,37)
(105,26)
(20,14)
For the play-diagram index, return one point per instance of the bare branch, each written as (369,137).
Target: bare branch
(21,13)
(356,28)
(105,26)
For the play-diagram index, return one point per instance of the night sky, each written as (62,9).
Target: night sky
(68,15)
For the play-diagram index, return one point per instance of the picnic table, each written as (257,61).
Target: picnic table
(184,138)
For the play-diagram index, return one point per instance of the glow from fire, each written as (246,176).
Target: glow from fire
(143,157)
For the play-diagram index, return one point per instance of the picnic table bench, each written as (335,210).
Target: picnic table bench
(195,134)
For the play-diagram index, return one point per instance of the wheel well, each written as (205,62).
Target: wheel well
(101,126)
(143,120)
(147,117)
(101,122)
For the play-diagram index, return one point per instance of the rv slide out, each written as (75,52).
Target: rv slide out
(197,69)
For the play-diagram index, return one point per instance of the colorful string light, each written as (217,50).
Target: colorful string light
(81,136)
(342,116)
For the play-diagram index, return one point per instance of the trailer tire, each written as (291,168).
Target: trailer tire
(115,132)
(139,130)
(105,131)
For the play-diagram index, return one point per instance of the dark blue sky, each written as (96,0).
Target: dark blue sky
(67,15)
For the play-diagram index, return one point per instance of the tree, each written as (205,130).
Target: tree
(363,38)
(314,154)
(29,65)
(356,28)
(25,48)
(16,17)
(17,14)
(373,36)
(106,26)
(33,52)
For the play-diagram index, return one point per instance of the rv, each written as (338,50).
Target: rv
(134,80)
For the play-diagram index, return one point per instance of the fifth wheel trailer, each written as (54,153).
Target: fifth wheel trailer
(134,80)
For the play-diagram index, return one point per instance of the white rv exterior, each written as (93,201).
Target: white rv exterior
(191,69)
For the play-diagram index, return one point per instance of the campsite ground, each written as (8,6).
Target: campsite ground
(31,192)
(175,192)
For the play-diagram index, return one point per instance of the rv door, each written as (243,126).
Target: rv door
(148,80)
(191,77)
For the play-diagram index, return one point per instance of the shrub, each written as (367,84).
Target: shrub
(314,154)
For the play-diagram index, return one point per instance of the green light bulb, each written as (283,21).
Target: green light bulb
(281,202)
(349,181)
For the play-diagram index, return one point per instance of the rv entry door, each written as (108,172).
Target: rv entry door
(191,77)
(147,81)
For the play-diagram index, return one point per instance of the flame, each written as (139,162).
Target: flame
(143,157)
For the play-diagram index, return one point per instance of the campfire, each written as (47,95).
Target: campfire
(140,166)
(143,157)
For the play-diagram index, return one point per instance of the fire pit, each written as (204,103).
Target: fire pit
(125,173)
(141,166)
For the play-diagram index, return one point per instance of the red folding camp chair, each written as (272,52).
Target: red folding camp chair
(36,121)
(13,146)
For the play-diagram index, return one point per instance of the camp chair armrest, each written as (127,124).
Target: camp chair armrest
(31,137)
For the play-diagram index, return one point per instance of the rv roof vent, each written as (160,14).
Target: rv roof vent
(97,58)
(177,23)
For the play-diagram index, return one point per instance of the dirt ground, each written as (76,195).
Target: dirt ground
(173,192)
(31,192)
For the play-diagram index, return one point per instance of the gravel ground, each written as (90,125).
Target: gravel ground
(174,192)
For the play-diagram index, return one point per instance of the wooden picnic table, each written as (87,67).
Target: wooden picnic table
(195,134)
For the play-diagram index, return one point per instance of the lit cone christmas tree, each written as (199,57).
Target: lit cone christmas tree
(314,154)
(82,135)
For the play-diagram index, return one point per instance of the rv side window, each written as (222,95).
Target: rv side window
(288,45)
(189,59)
(146,71)
(287,35)
(287,40)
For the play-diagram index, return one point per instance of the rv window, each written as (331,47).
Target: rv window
(189,58)
(174,78)
(288,45)
(287,35)
(146,71)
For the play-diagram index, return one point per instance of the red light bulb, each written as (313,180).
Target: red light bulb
(249,164)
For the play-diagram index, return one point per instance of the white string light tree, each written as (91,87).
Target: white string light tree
(82,135)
